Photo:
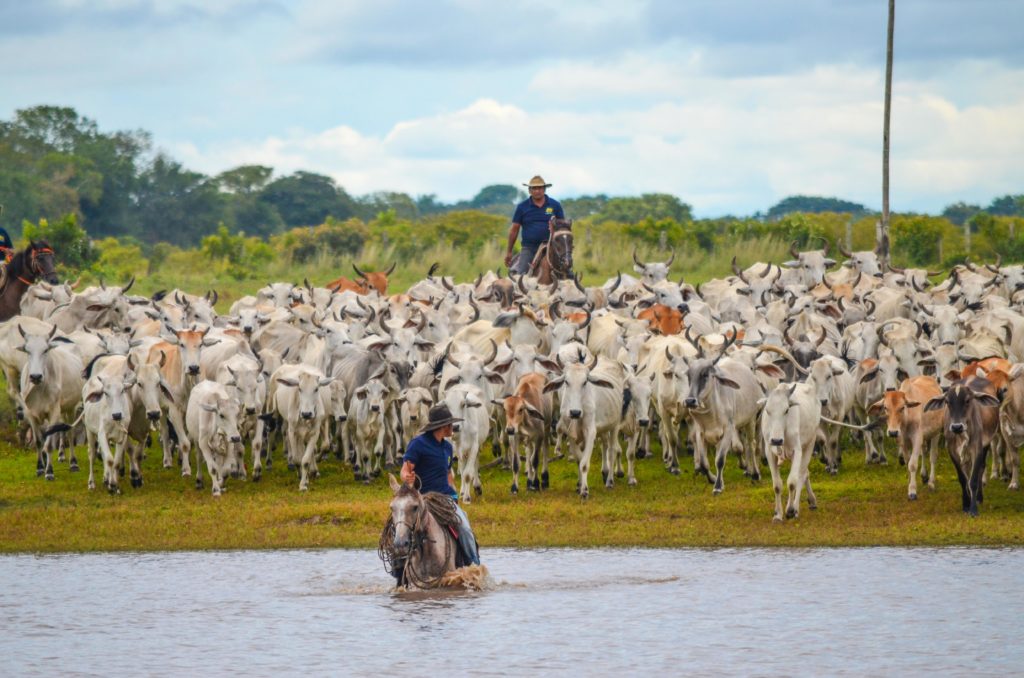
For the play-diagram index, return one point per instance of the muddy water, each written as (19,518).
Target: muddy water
(741,611)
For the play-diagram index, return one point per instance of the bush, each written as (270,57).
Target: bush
(119,260)
(71,245)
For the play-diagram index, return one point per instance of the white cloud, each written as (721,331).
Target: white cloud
(724,145)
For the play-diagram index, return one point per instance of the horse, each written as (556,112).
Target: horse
(418,548)
(554,258)
(25,267)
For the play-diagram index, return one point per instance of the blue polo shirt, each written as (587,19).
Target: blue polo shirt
(432,460)
(534,220)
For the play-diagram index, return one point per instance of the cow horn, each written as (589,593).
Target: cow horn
(635,260)
(476,309)
(305,283)
(618,281)
(593,360)
(897,270)
(447,285)
(216,297)
(75,284)
(821,339)
(920,329)
(785,335)
(576,282)
(124,290)
(448,356)
(792,250)
(842,250)
(479,279)
(391,268)
(785,354)
(553,310)
(519,283)
(494,353)
(587,321)
(825,242)
(764,300)
(686,335)
(767,270)
(737,271)
(870,305)
(433,269)
(913,283)
(422,323)
(671,258)
(358,272)
(933,273)
(554,285)
(729,341)
(856,280)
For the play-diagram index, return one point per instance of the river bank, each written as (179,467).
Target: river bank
(862,506)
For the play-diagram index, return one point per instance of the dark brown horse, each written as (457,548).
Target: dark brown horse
(25,267)
(554,259)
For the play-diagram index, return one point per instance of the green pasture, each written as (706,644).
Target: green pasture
(862,506)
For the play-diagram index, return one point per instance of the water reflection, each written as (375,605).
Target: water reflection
(747,611)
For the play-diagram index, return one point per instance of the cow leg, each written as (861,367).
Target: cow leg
(465,473)
(631,448)
(513,444)
(965,497)
(378,451)
(110,475)
(1014,453)
(184,444)
(794,483)
(134,462)
(812,501)
(773,468)
(721,451)
(257,451)
(306,463)
(584,465)
(211,467)
(977,473)
(90,451)
(545,454)
(913,460)
(933,458)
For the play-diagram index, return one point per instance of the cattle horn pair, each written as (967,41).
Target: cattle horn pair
(729,341)
(738,272)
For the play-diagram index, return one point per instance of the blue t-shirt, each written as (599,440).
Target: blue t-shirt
(534,220)
(432,460)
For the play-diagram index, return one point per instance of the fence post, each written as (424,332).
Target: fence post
(849,234)
(662,240)
(967,236)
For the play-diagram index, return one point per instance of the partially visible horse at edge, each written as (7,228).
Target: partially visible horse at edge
(26,266)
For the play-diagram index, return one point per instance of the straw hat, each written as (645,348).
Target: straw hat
(537,181)
(438,416)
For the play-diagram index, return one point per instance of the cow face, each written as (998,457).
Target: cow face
(225,415)
(774,408)
(576,387)
(705,376)
(639,389)
(248,387)
(372,395)
(895,405)
(37,346)
(308,385)
(191,344)
(152,388)
(114,393)
(962,415)
(811,265)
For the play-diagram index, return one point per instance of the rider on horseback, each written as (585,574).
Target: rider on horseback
(534,216)
(429,456)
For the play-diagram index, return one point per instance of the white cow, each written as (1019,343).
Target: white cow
(212,422)
(789,422)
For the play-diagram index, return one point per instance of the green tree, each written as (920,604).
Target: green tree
(1007,206)
(960,212)
(813,205)
(177,205)
(307,199)
(655,206)
(244,180)
(71,245)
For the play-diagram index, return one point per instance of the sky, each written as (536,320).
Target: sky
(731,105)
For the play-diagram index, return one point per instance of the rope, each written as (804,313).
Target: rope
(442,509)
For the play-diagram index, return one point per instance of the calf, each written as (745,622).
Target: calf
(107,411)
(298,400)
(366,420)
(212,422)
(962,423)
(467,402)
(790,416)
(913,426)
(527,417)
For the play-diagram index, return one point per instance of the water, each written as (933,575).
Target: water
(694,611)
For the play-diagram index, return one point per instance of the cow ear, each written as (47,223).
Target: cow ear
(603,383)
(495,378)
(498,402)
(876,408)
(553,385)
(424,345)
(502,368)
(94,397)
(935,404)
(911,403)
(986,399)
(210,408)
(474,404)
(361,394)
(549,365)
(772,370)
(287,382)
(868,376)
(166,391)
(725,381)
(953,375)
(534,412)
(761,402)
(325,381)
(210,342)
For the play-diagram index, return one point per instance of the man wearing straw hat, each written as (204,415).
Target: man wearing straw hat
(429,456)
(533,216)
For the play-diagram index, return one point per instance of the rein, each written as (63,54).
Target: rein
(555,266)
(32,267)
(418,532)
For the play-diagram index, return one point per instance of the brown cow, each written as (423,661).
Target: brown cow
(527,413)
(662,319)
(378,280)
(913,426)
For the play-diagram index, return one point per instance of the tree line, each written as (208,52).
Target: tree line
(62,177)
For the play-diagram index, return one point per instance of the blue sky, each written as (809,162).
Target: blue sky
(729,104)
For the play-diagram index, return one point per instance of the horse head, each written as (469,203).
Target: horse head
(41,262)
(560,251)
(407,509)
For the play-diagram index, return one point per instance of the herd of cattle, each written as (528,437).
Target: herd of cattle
(771,363)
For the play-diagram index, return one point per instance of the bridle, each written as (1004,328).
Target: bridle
(417,538)
(561,265)
(34,266)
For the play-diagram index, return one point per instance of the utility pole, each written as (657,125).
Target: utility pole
(882,245)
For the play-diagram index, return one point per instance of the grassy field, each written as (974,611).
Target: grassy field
(862,506)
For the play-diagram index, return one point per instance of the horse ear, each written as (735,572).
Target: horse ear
(395,485)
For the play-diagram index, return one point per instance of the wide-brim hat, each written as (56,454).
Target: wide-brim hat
(438,416)
(537,181)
